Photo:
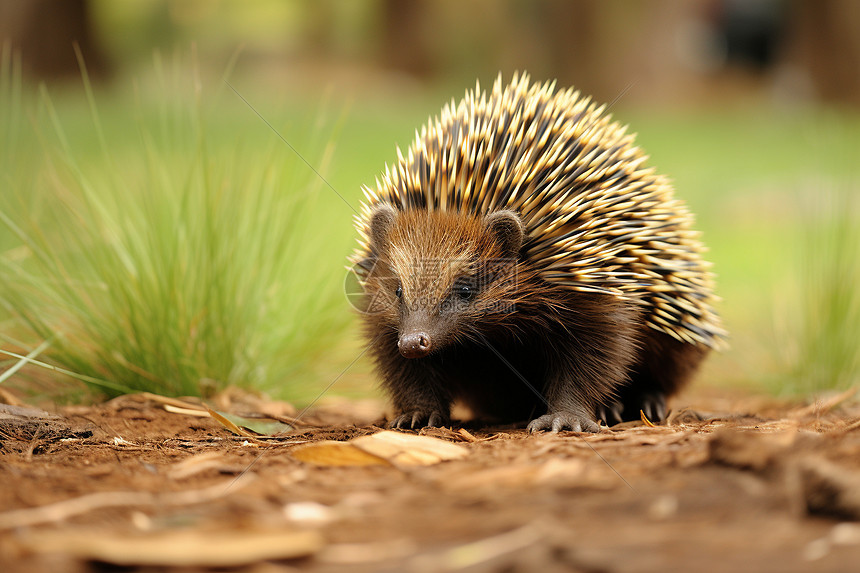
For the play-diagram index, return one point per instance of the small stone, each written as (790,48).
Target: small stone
(816,549)
(663,507)
(309,512)
(845,534)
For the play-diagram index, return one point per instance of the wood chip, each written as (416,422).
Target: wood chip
(464,433)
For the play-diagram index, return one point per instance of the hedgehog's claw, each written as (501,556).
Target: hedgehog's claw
(435,420)
(558,421)
(611,413)
(651,404)
(417,419)
(654,406)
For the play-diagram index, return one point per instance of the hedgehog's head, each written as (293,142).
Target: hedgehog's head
(437,276)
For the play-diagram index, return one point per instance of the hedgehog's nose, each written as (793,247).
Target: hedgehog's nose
(414,345)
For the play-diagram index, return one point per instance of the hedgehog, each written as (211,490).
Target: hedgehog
(523,260)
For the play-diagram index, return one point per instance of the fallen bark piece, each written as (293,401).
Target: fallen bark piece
(829,489)
(20,412)
(750,450)
(179,548)
(26,424)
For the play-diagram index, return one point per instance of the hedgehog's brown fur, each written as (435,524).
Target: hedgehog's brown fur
(527,263)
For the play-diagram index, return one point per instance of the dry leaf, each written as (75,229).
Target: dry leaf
(179,548)
(409,449)
(258,426)
(230,425)
(332,453)
(381,448)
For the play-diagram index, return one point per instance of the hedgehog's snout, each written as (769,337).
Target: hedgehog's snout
(415,345)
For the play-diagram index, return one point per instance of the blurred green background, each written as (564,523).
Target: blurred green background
(157,234)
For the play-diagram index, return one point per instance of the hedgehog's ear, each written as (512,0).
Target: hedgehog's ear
(508,230)
(381,221)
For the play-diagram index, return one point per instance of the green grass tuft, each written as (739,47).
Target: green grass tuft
(818,325)
(167,261)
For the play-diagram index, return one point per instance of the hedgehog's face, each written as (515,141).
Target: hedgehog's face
(438,276)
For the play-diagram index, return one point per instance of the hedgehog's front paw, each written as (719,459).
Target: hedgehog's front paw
(415,419)
(558,421)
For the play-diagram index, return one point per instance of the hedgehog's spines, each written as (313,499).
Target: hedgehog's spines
(598,218)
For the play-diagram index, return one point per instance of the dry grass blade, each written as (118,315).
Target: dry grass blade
(645,420)
(186,411)
(180,548)
(480,552)
(23,361)
(851,427)
(823,406)
(76,506)
(173,402)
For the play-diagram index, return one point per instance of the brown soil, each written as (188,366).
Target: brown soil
(129,486)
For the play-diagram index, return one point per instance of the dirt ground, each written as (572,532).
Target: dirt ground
(142,484)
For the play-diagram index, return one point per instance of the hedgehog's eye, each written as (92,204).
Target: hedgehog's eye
(465,292)
(399,292)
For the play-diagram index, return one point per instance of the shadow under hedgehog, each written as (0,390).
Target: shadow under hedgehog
(522,259)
